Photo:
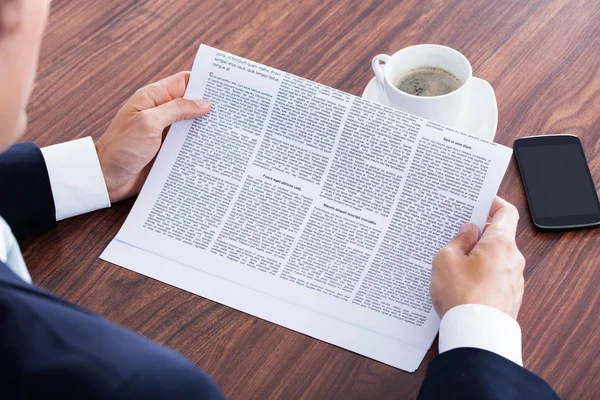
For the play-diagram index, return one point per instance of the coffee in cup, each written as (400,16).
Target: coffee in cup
(415,65)
(427,82)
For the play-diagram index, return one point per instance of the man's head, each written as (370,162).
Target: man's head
(22,23)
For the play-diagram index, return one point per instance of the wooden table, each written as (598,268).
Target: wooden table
(542,58)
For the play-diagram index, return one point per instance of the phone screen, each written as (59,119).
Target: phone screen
(557,179)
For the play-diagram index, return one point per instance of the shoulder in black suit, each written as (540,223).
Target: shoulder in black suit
(52,349)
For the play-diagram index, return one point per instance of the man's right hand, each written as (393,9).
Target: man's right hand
(134,137)
(486,270)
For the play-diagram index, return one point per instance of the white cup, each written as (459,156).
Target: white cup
(448,109)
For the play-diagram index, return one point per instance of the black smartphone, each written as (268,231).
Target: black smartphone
(558,183)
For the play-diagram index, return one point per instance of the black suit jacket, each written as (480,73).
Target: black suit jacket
(50,348)
(467,373)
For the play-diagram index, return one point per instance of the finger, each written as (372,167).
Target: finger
(160,92)
(466,239)
(178,110)
(497,204)
(505,218)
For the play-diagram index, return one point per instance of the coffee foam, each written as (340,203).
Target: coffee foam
(427,82)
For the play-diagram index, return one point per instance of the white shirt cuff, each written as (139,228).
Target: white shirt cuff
(481,327)
(76,178)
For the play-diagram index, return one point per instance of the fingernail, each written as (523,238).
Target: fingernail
(202,103)
(465,228)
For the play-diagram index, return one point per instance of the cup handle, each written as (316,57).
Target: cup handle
(378,68)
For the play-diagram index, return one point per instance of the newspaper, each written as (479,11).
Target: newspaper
(308,207)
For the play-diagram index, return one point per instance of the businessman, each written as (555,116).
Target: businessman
(50,348)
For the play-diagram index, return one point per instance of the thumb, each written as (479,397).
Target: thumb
(467,237)
(178,110)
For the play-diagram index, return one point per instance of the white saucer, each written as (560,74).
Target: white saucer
(482,113)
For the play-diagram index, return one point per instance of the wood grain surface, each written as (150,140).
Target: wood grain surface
(541,56)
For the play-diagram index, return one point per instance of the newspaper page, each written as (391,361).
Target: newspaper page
(309,207)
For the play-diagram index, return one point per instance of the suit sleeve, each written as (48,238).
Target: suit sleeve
(473,373)
(26,203)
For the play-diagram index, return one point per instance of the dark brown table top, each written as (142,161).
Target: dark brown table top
(542,58)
